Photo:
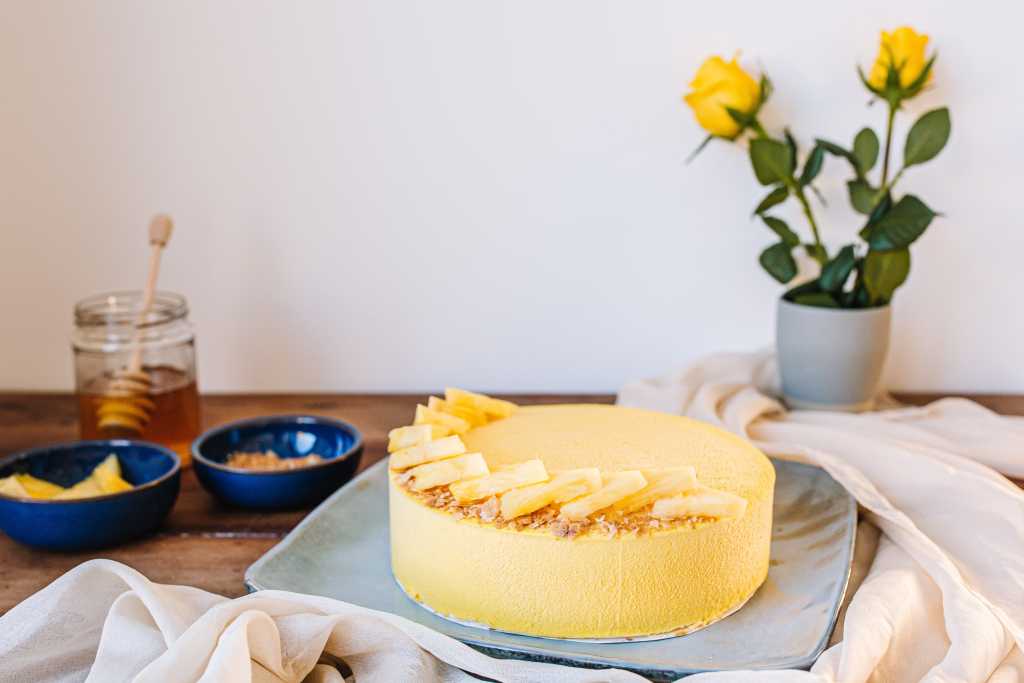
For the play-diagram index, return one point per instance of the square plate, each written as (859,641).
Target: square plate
(342,551)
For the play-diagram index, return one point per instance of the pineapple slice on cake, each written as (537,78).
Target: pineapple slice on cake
(506,479)
(474,416)
(414,435)
(563,486)
(700,502)
(444,472)
(617,486)
(427,452)
(660,484)
(494,408)
(425,415)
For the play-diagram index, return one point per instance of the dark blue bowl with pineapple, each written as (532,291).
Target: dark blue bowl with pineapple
(102,516)
(337,444)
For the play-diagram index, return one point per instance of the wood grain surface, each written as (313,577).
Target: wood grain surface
(204,543)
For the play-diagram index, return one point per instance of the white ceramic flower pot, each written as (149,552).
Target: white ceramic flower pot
(831,358)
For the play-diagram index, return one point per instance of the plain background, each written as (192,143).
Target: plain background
(398,195)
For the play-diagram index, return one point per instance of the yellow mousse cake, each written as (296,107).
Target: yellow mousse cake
(576,521)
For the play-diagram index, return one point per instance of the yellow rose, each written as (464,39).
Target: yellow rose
(717,85)
(906,48)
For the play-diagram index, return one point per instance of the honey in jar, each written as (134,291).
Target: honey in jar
(135,376)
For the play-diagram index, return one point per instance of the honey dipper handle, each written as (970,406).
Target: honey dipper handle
(160,229)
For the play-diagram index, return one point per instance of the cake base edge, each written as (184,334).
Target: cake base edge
(674,633)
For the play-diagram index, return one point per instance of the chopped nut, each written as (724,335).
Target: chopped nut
(270,460)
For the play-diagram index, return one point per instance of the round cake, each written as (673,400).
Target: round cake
(576,521)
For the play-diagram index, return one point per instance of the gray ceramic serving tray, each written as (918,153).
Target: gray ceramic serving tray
(341,551)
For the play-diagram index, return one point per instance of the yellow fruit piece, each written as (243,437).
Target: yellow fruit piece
(617,486)
(660,484)
(700,502)
(494,408)
(444,472)
(108,475)
(427,452)
(404,437)
(38,488)
(523,474)
(110,466)
(10,486)
(425,415)
(475,417)
(87,488)
(112,483)
(563,487)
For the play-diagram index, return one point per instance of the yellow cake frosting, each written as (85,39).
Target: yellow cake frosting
(664,578)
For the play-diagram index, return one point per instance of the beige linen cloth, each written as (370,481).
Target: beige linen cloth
(942,599)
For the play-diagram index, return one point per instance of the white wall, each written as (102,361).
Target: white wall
(398,195)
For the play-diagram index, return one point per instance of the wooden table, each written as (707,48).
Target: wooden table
(203,543)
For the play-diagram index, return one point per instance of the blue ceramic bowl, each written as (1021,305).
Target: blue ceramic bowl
(97,522)
(290,436)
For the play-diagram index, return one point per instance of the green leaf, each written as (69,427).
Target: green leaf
(883,206)
(927,137)
(812,167)
(820,299)
(779,227)
(901,225)
(881,209)
(862,196)
(764,91)
(865,149)
(775,197)
(840,151)
(835,273)
(805,288)
(779,263)
(867,84)
(794,151)
(771,161)
(817,253)
(884,272)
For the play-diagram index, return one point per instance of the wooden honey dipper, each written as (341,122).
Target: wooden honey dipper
(126,405)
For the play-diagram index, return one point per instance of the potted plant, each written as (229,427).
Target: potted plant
(832,330)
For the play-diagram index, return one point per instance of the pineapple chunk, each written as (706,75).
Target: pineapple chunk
(10,486)
(445,472)
(108,476)
(87,488)
(110,467)
(474,416)
(660,484)
(616,486)
(563,487)
(404,437)
(495,408)
(427,452)
(425,415)
(523,474)
(38,488)
(700,502)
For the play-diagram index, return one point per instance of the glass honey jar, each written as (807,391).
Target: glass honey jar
(135,375)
